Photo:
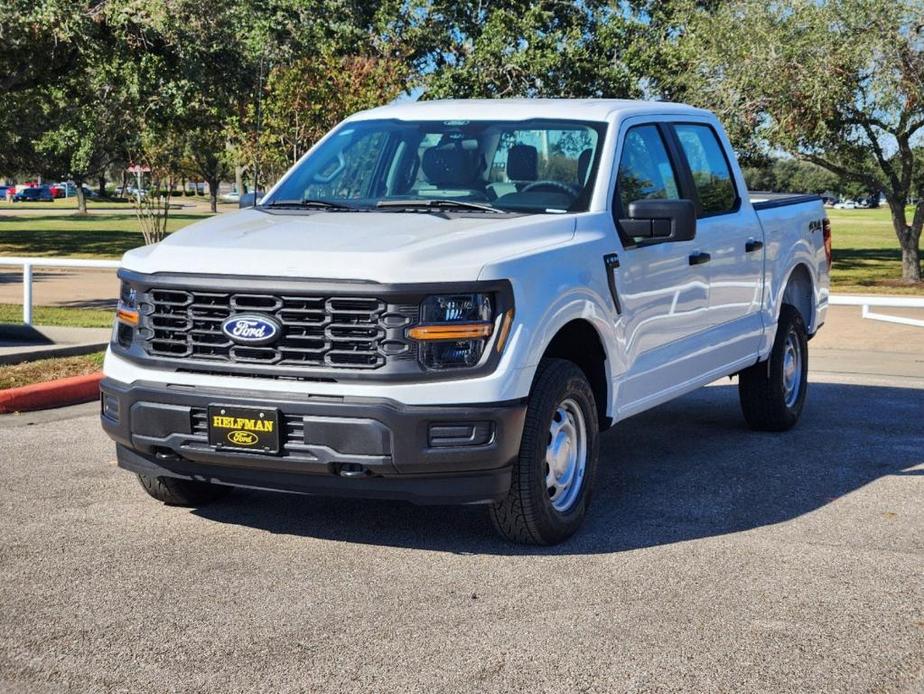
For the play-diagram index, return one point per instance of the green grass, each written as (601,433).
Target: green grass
(95,235)
(867,258)
(43,370)
(58,316)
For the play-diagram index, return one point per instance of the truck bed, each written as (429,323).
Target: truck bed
(766,201)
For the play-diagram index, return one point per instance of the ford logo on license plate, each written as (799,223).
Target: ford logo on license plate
(251,329)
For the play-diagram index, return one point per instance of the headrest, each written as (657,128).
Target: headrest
(583,165)
(449,166)
(522,163)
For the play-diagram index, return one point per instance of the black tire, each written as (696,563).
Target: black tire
(762,388)
(527,515)
(177,492)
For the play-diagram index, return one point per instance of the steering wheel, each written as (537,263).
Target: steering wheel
(556,186)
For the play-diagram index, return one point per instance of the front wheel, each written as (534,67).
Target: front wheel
(554,472)
(772,392)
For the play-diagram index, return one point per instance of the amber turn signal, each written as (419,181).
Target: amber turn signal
(127,316)
(451,331)
(504,332)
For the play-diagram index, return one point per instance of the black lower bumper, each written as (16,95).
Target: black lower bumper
(330,445)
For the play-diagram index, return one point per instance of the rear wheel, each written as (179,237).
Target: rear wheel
(554,472)
(177,492)
(772,393)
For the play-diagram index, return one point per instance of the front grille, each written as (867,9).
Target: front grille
(317,331)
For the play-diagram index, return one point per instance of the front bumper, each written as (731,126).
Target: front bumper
(366,447)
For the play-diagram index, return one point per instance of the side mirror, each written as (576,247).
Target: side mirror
(669,220)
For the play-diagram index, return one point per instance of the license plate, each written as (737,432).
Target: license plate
(254,429)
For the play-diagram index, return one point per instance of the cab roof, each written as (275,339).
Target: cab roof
(522,109)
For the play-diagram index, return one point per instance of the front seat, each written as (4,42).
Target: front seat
(523,164)
(451,167)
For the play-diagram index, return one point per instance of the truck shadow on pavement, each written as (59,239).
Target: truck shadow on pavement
(686,470)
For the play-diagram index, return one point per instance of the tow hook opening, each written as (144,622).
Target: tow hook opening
(351,470)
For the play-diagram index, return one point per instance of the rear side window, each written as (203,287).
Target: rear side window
(645,170)
(711,173)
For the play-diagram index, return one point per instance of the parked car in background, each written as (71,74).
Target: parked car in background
(64,189)
(40,194)
(845,205)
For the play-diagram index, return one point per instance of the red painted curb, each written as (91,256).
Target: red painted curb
(41,396)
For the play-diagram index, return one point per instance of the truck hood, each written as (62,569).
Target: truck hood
(387,247)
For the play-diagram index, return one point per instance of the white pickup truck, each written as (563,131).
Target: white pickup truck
(447,301)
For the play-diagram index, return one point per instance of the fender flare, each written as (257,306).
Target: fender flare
(580,304)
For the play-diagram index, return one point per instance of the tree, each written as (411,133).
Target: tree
(515,47)
(310,96)
(205,150)
(82,121)
(838,83)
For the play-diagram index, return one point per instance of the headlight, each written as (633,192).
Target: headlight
(127,311)
(453,330)
(127,315)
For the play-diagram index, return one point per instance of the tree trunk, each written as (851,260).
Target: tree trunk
(909,238)
(124,183)
(239,179)
(81,197)
(213,194)
(911,256)
(102,186)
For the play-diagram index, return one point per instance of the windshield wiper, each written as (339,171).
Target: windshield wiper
(438,204)
(311,204)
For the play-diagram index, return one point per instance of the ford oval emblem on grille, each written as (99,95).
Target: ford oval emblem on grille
(251,329)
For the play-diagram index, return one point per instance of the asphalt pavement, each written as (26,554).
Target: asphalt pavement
(713,559)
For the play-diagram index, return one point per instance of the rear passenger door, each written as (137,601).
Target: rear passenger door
(663,298)
(728,231)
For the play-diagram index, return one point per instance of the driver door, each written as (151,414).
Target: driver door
(663,293)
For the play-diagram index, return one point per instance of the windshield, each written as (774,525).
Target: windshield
(532,166)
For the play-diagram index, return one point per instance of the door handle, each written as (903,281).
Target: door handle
(700,258)
(753,245)
(611,261)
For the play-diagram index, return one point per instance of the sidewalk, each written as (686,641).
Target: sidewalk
(849,344)
(75,288)
(19,343)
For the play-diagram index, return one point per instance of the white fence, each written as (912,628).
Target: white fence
(881,301)
(28,263)
(865,302)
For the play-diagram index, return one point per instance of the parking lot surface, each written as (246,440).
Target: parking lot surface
(713,559)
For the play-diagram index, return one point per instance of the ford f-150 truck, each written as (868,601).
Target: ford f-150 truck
(448,301)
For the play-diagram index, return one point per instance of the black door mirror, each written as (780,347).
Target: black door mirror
(667,220)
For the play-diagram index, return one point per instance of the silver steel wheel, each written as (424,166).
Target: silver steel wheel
(566,455)
(792,369)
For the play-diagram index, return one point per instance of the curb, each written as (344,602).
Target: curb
(42,396)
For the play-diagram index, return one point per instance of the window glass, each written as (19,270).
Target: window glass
(347,172)
(530,166)
(711,175)
(645,170)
